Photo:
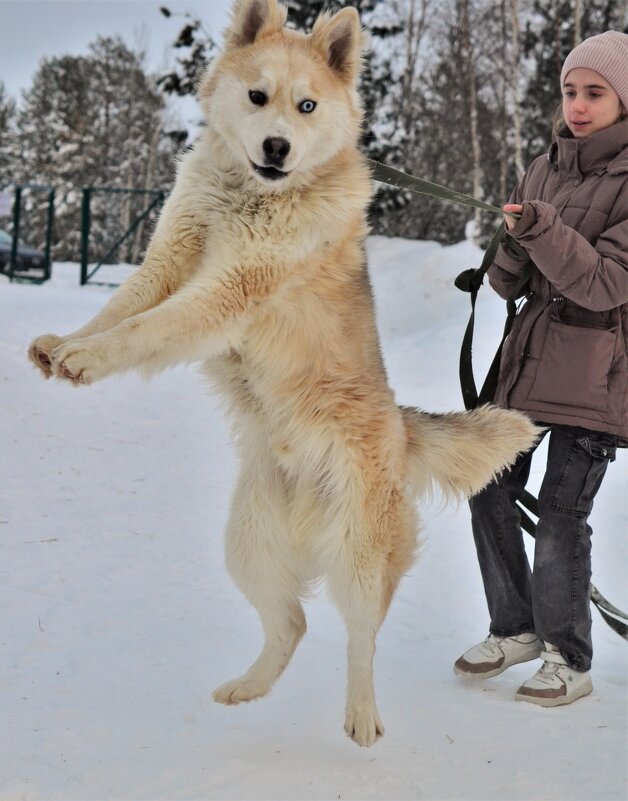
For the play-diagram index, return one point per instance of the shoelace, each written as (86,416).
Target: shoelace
(492,642)
(552,661)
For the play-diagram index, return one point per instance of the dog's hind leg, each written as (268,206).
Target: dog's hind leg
(362,616)
(362,580)
(263,563)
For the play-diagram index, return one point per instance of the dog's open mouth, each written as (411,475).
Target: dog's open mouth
(270,173)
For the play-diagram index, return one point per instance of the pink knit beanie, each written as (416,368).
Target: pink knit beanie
(607,54)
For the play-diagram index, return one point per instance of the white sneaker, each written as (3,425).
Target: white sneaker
(495,654)
(555,683)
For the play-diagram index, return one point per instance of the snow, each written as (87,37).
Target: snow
(118,616)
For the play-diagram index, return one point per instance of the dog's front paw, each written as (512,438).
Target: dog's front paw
(81,361)
(40,352)
(363,724)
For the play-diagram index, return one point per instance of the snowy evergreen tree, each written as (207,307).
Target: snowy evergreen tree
(93,120)
(54,127)
(7,137)
(197,48)
(129,141)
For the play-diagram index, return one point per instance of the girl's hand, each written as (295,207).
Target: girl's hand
(509,210)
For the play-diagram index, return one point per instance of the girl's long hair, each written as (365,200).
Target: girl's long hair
(558,120)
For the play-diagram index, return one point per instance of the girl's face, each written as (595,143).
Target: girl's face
(590,104)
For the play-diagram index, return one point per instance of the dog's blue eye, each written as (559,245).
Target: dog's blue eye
(307,106)
(257,98)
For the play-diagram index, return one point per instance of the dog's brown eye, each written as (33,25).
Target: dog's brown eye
(257,98)
(307,106)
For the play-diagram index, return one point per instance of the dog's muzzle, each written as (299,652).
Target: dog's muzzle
(276,150)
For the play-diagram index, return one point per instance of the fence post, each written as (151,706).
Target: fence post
(85,224)
(17,209)
(51,208)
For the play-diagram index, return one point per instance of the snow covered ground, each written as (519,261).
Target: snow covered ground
(118,617)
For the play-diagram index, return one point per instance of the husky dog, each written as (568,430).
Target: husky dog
(257,269)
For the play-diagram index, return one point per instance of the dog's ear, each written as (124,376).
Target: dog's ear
(251,19)
(339,38)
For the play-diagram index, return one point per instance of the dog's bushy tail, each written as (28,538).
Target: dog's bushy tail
(461,452)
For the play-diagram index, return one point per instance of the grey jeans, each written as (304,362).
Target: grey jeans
(552,599)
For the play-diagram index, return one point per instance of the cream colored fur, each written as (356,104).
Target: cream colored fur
(265,282)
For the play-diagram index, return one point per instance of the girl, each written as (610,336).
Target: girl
(565,364)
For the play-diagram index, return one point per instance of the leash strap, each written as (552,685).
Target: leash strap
(616,619)
(402,180)
(471,281)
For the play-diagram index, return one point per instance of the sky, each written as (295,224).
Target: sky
(33,29)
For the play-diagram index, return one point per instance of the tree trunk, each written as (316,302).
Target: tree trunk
(415,27)
(504,83)
(515,67)
(469,66)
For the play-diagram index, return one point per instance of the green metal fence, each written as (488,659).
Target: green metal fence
(141,205)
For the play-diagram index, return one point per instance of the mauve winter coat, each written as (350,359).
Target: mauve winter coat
(565,360)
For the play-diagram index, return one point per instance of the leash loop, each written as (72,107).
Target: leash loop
(469,280)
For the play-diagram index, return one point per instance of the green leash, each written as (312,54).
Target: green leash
(471,281)
(392,177)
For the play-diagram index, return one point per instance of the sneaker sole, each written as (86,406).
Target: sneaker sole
(562,700)
(490,673)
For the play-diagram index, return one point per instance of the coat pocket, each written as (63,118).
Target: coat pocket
(574,366)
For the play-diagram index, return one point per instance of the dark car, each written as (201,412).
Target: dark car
(26,258)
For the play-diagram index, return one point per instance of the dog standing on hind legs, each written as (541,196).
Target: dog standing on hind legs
(256,268)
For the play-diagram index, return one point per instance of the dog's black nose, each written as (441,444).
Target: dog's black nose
(276,149)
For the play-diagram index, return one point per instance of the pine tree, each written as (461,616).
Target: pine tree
(131,145)
(54,126)
(7,137)
(197,48)
(92,120)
